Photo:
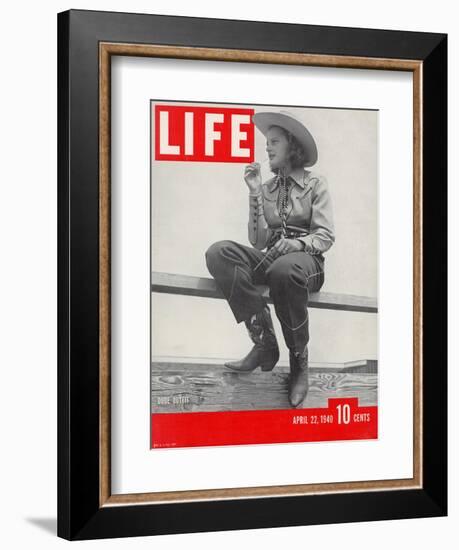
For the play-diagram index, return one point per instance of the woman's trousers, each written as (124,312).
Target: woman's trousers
(290,278)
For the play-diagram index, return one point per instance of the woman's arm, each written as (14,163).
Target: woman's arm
(322,235)
(259,232)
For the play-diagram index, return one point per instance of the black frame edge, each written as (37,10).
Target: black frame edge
(435,300)
(63,312)
(219,33)
(263,513)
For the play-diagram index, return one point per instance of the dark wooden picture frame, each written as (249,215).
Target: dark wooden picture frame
(86,42)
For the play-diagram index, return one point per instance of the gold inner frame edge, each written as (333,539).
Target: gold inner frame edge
(106,50)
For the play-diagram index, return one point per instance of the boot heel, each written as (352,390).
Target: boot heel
(267,368)
(265,352)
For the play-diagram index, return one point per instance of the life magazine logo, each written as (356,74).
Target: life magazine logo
(203,134)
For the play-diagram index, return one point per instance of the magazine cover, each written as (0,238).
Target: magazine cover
(264,274)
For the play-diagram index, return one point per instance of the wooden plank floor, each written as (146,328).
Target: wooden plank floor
(180,387)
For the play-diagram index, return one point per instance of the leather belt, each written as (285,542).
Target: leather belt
(291,233)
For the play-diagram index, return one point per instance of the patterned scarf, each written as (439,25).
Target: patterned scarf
(284,183)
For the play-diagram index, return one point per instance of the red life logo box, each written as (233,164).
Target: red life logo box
(203,134)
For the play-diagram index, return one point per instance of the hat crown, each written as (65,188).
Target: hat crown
(291,115)
(291,123)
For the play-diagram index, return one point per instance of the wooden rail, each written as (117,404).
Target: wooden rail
(186,285)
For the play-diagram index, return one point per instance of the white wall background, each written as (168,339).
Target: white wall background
(28,277)
(217,196)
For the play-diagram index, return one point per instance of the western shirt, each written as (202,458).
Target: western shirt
(309,209)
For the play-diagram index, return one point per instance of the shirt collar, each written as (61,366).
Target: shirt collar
(298,176)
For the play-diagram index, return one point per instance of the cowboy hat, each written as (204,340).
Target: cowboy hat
(289,122)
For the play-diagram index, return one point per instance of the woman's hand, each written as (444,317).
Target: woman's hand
(252,177)
(284,246)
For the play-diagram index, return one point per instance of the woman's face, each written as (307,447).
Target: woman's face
(277,147)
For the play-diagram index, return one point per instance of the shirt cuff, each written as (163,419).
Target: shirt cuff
(256,204)
(303,244)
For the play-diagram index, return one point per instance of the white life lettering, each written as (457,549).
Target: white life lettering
(164,147)
(237,136)
(211,134)
(189,137)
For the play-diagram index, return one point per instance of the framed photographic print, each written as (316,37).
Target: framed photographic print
(252,252)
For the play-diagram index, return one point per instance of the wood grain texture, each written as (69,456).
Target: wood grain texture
(104,275)
(259,56)
(418,262)
(185,387)
(187,285)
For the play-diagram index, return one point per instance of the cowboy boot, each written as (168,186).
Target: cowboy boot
(299,379)
(265,352)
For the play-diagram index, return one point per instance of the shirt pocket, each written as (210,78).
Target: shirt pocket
(302,207)
(302,194)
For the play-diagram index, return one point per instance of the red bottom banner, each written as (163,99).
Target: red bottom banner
(343,419)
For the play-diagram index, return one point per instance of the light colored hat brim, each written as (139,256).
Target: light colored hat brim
(263,121)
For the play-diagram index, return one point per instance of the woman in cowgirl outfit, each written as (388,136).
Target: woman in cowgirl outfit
(290,215)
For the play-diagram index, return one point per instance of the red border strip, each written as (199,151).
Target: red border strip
(343,419)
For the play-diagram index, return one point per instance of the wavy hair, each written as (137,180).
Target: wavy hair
(297,155)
